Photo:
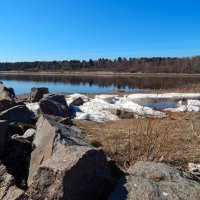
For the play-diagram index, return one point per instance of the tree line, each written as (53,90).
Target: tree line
(131,65)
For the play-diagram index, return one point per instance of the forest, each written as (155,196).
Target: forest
(131,65)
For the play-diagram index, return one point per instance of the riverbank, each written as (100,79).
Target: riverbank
(126,126)
(96,73)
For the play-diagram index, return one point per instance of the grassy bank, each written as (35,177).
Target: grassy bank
(174,140)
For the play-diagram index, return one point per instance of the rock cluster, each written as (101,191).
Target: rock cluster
(45,157)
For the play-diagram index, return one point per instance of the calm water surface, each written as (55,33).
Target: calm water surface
(91,84)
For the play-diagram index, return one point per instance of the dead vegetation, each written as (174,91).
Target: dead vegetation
(174,140)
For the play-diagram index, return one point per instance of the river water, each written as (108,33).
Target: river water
(94,84)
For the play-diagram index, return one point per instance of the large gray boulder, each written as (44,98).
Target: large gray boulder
(8,190)
(3,132)
(156,181)
(72,173)
(54,104)
(48,134)
(37,94)
(19,113)
(63,166)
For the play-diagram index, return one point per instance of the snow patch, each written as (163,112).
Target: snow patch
(33,107)
(194,168)
(127,104)
(75,96)
(104,107)
(165,194)
(165,96)
(97,110)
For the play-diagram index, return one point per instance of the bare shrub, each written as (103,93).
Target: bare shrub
(148,140)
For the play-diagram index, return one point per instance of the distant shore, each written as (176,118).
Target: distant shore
(95,73)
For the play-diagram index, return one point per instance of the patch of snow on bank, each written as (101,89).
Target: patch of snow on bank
(165,96)
(186,106)
(104,107)
(143,111)
(74,96)
(33,107)
(97,110)
(107,97)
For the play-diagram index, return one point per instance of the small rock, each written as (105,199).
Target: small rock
(6,91)
(194,169)
(29,134)
(123,114)
(37,94)
(54,104)
(78,102)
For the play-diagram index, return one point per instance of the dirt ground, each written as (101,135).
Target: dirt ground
(175,139)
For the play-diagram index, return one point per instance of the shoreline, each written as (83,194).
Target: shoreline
(97,73)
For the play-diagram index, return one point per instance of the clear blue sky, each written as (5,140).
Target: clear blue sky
(82,29)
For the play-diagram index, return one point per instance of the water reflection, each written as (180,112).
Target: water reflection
(96,84)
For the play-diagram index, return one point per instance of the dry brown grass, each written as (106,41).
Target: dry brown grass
(175,139)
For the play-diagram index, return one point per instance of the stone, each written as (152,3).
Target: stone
(7,91)
(19,113)
(8,190)
(48,134)
(194,169)
(3,132)
(29,134)
(15,128)
(16,158)
(6,103)
(156,181)
(54,104)
(23,98)
(61,156)
(6,98)
(124,114)
(72,173)
(78,102)
(11,92)
(62,120)
(37,94)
